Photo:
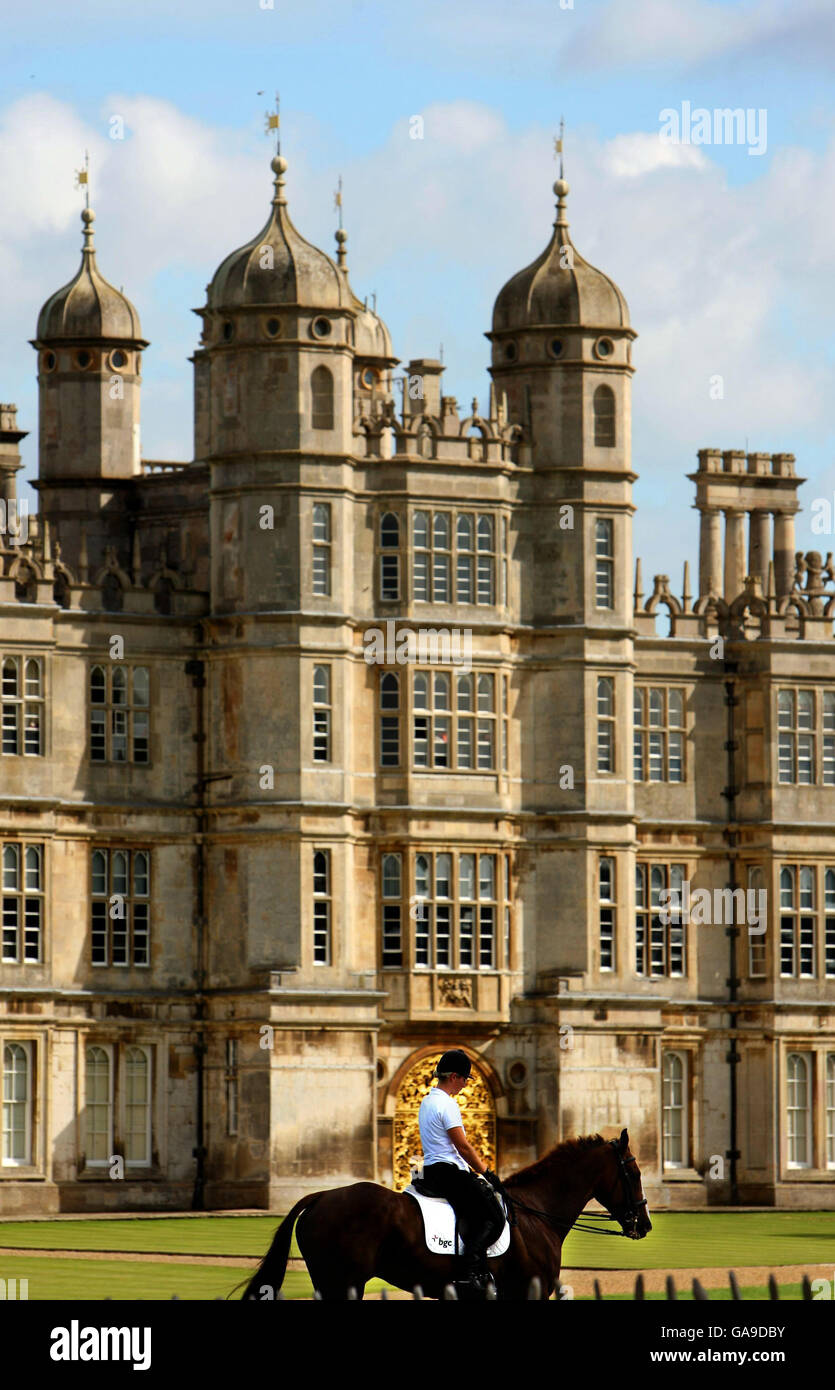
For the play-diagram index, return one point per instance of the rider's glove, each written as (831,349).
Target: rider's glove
(493,1179)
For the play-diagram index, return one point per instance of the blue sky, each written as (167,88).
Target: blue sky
(726,259)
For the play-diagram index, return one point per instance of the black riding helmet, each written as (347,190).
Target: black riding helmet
(454,1061)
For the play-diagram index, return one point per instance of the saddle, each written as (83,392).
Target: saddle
(439,1223)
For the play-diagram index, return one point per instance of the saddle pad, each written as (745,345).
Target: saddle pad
(439,1226)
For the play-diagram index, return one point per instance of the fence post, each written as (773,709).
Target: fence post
(352,1294)
(735,1293)
(597,1292)
(534,1288)
(773,1291)
(449,1293)
(807,1289)
(639,1287)
(417,1292)
(698,1292)
(670,1288)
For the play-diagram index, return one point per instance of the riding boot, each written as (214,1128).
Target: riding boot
(472,1286)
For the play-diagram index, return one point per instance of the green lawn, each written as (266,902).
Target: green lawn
(199,1235)
(678,1240)
(91,1280)
(68,1279)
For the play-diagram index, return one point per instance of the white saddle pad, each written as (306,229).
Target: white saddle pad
(439,1226)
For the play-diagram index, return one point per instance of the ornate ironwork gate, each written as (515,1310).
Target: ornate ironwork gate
(478,1114)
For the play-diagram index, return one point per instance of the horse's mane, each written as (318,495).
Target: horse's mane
(561,1153)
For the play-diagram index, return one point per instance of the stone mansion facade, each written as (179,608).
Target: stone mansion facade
(254,882)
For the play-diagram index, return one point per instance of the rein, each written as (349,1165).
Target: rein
(570,1225)
(631,1209)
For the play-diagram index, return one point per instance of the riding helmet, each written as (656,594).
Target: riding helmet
(454,1061)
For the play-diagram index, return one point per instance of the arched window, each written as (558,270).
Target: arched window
(675,1110)
(11,705)
(604,417)
(98,1109)
(604,560)
(321,714)
(392,910)
(389,557)
(137,1125)
(389,720)
(321,391)
(17,1105)
(605,724)
(756,940)
(321,907)
(322,548)
(798,1111)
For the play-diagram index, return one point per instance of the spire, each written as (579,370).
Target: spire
(561,187)
(341,234)
(88,217)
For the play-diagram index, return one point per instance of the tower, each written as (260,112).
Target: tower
(89,344)
(273,386)
(561,357)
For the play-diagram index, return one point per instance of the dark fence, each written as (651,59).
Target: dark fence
(534,1291)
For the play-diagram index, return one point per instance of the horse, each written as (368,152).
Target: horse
(348,1235)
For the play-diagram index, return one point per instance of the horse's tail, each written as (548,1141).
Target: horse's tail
(273,1267)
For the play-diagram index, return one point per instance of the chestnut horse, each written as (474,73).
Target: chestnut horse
(349,1235)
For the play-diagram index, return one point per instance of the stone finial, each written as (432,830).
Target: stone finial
(685,594)
(639,591)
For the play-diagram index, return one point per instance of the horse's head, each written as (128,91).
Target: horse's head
(619,1189)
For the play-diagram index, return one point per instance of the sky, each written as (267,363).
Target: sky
(724,251)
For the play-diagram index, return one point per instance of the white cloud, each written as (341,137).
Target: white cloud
(631,156)
(737,281)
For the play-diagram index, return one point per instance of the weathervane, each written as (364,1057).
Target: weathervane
(82,179)
(558,145)
(337,201)
(272,121)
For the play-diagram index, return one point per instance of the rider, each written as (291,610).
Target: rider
(447,1160)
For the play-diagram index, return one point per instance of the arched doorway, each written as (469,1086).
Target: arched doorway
(478,1113)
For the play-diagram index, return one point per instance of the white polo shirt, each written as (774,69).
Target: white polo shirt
(439,1112)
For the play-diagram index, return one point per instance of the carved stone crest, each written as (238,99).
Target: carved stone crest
(455,993)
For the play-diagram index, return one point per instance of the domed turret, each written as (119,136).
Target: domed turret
(88,306)
(560,287)
(89,343)
(278,266)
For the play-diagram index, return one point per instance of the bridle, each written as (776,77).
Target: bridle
(632,1206)
(628,1219)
